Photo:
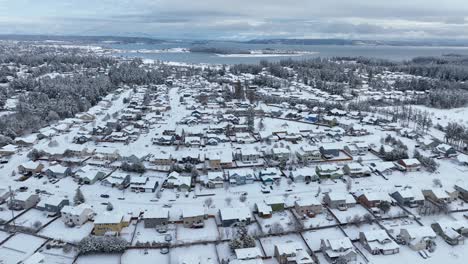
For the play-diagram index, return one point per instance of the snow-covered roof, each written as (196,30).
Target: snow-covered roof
(228,213)
(156,213)
(248,253)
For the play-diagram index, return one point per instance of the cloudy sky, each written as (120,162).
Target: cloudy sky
(239,19)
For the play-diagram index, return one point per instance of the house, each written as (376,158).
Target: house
(156,218)
(26,141)
(308,153)
(244,138)
(356,170)
(4,195)
(175,180)
(462,191)
(308,206)
(232,216)
(119,180)
(30,167)
(356,149)
(86,117)
(462,159)
(52,205)
(164,140)
(269,175)
(378,242)
(382,167)
(436,195)
(335,249)
(276,203)
(36,258)
(248,254)
(372,199)
(240,178)
(143,184)
(8,150)
(453,232)
(330,151)
(248,155)
(328,171)
(226,159)
(410,165)
(193,141)
(428,143)
(76,215)
(89,174)
(409,197)
(264,210)
(193,217)
(303,174)
(110,223)
(339,200)
(281,154)
(292,253)
(381,150)
(418,238)
(445,150)
(58,171)
(214,179)
(23,201)
(163,159)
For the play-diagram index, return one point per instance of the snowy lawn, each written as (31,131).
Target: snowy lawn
(394,226)
(59,230)
(194,254)
(101,259)
(19,247)
(4,235)
(58,256)
(347,216)
(142,256)
(313,238)
(208,232)
(33,217)
(144,235)
(279,222)
(319,220)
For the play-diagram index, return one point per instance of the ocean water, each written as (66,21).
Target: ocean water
(396,53)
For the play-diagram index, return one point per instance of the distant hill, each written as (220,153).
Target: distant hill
(342,42)
(85,39)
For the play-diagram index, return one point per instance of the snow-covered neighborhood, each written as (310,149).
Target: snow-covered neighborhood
(200,164)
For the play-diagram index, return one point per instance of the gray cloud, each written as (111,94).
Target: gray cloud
(239,19)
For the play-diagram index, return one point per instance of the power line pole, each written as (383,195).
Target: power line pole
(12,196)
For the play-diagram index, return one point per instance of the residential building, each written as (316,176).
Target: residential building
(418,238)
(378,242)
(77,215)
(232,216)
(292,253)
(156,217)
(110,223)
(334,249)
(194,217)
(52,205)
(23,201)
(339,200)
(325,171)
(308,206)
(453,232)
